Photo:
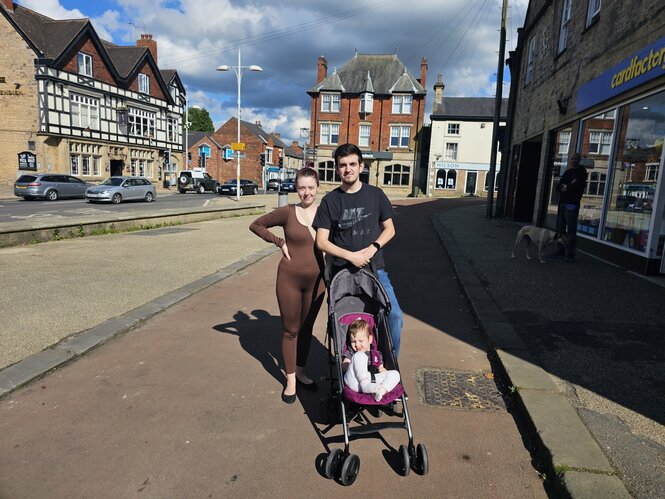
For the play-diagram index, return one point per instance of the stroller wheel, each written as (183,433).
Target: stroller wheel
(406,462)
(332,463)
(422,463)
(350,469)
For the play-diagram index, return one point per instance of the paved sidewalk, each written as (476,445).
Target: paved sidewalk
(187,403)
(584,345)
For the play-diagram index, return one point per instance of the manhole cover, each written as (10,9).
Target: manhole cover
(464,390)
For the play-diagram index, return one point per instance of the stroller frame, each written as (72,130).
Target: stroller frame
(359,291)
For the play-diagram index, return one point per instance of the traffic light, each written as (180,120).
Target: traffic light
(198,161)
(167,157)
(263,159)
(281,161)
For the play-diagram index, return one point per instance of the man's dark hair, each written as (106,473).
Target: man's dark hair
(347,150)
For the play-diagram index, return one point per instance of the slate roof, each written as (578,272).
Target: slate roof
(480,108)
(50,38)
(386,72)
(292,152)
(197,136)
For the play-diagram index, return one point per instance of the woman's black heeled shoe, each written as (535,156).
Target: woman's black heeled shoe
(288,399)
(312,387)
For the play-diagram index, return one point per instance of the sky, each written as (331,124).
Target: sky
(459,38)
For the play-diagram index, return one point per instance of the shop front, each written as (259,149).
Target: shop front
(622,216)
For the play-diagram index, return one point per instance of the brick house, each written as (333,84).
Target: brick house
(375,102)
(74,103)
(263,151)
(589,77)
(460,144)
(205,152)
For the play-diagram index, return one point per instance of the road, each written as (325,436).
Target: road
(12,210)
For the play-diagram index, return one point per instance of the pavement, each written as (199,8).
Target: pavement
(577,355)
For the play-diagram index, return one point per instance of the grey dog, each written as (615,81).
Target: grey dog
(538,236)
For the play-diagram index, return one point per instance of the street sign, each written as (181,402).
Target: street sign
(240,155)
(238,146)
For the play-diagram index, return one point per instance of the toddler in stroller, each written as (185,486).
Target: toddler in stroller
(363,365)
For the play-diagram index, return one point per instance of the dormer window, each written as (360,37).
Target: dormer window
(144,83)
(366,102)
(402,104)
(330,103)
(84,62)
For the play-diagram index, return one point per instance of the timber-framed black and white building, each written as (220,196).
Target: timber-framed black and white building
(83,105)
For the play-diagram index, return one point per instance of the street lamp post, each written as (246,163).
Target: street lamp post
(238,70)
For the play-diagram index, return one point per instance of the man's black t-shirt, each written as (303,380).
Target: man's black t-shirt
(354,219)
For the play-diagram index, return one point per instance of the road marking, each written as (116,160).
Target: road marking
(37,215)
(206,203)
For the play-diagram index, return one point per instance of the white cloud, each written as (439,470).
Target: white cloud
(52,9)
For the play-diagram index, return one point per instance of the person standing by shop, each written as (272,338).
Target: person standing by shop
(299,283)
(571,188)
(353,225)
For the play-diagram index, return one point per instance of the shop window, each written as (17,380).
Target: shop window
(633,181)
(446,179)
(496,181)
(558,163)
(396,175)
(596,143)
(74,165)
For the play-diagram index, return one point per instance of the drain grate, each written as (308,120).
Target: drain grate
(464,390)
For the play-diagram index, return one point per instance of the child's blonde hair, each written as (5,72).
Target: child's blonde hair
(359,325)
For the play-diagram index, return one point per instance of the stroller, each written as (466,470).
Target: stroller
(352,294)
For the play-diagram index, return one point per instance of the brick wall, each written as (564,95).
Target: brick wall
(155,89)
(250,166)
(18,106)
(99,70)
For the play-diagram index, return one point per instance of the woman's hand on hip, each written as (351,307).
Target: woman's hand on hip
(285,252)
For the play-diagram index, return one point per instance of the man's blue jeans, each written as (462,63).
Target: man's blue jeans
(567,224)
(395,319)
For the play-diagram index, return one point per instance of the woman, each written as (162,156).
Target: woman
(299,282)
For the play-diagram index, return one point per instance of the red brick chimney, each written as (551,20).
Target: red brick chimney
(322,72)
(147,41)
(9,5)
(423,71)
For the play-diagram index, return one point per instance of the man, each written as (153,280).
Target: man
(354,223)
(571,188)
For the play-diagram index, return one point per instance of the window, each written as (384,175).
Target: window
(366,102)
(651,173)
(596,184)
(600,142)
(330,103)
(141,123)
(400,136)
(453,128)
(530,60)
(594,10)
(364,134)
(402,104)
(74,165)
(204,150)
(96,171)
(144,83)
(446,179)
(496,181)
(329,133)
(327,172)
(148,169)
(565,21)
(84,111)
(563,143)
(396,175)
(84,63)
(171,135)
(85,166)
(451,151)
(269,155)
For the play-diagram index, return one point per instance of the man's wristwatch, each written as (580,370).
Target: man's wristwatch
(376,245)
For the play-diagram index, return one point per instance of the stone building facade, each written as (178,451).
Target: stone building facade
(375,102)
(589,77)
(73,103)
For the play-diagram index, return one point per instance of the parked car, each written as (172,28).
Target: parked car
(228,188)
(196,180)
(118,189)
(50,186)
(288,185)
(273,184)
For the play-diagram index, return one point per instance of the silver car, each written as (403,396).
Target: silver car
(118,189)
(50,186)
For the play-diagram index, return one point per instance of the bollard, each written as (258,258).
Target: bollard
(282,199)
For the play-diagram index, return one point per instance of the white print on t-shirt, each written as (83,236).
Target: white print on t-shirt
(351,217)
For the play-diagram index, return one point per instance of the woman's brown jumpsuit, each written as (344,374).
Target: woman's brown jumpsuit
(299,282)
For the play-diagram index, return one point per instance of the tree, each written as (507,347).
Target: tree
(200,120)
